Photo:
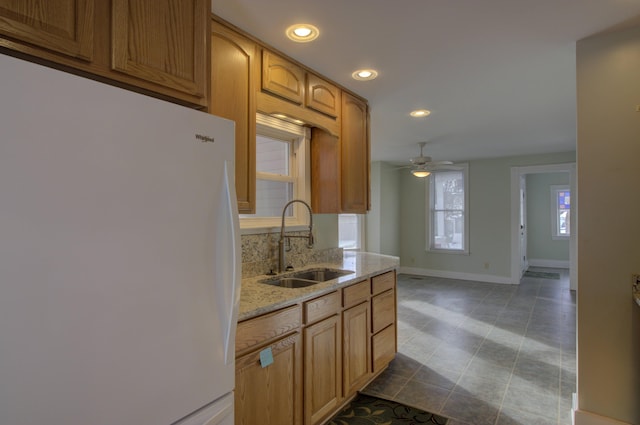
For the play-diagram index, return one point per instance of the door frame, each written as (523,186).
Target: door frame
(516,174)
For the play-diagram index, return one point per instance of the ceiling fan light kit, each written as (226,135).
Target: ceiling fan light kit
(418,172)
(422,166)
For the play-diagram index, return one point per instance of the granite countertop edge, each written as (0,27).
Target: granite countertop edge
(258,298)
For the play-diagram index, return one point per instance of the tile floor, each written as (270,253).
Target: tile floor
(482,353)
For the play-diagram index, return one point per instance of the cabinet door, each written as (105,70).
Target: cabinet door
(62,26)
(322,96)
(325,172)
(282,77)
(270,395)
(322,369)
(354,145)
(162,42)
(355,346)
(233,91)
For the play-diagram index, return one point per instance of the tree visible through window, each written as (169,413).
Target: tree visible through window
(448,210)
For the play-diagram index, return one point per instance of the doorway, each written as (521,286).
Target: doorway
(518,219)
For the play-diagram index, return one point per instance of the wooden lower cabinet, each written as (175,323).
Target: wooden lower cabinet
(322,369)
(270,395)
(355,348)
(325,349)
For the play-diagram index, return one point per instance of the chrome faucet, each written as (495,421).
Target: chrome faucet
(284,238)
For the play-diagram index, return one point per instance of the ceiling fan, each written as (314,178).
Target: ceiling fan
(421,166)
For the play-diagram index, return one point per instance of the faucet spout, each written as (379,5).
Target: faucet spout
(281,243)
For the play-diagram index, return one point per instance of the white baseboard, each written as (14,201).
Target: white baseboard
(457,275)
(580,417)
(556,264)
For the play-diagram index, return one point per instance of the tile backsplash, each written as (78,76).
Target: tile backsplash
(260,253)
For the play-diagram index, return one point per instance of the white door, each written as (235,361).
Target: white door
(524,265)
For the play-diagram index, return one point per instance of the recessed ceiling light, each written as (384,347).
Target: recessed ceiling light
(419,113)
(302,33)
(364,74)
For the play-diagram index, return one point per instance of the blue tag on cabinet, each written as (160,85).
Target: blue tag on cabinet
(266,357)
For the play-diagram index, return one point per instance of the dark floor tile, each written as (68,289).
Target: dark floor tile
(387,385)
(488,367)
(443,378)
(450,358)
(403,365)
(516,417)
(484,388)
(522,395)
(460,341)
(423,396)
(470,409)
(542,375)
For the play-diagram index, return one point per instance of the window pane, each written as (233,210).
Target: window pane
(271,196)
(449,190)
(348,231)
(563,202)
(272,156)
(448,230)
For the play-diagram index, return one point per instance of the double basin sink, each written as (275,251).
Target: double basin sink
(304,278)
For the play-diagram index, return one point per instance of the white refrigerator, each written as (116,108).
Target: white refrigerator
(119,255)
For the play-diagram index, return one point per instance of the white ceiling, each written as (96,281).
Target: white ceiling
(498,75)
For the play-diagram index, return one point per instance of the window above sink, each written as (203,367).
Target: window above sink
(282,173)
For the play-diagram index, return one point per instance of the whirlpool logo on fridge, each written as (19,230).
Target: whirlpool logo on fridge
(204,139)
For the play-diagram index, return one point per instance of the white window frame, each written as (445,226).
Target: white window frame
(300,174)
(430,198)
(554,211)
(360,232)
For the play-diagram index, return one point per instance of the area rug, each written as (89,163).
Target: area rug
(542,275)
(368,410)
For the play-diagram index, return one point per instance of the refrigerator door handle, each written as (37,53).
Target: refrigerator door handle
(236,273)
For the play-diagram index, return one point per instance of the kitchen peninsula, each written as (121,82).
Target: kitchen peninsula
(302,353)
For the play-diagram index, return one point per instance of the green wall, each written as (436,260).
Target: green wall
(540,243)
(489,258)
(383,223)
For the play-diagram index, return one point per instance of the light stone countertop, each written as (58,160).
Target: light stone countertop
(259,298)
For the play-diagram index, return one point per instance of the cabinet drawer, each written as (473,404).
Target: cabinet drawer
(262,329)
(321,307)
(383,310)
(383,282)
(355,294)
(383,347)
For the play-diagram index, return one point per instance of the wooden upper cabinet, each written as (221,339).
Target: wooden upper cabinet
(322,96)
(234,71)
(162,42)
(158,48)
(325,172)
(282,78)
(354,144)
(62,26)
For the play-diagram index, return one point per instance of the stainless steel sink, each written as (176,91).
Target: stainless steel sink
(304,278)
(321,275)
